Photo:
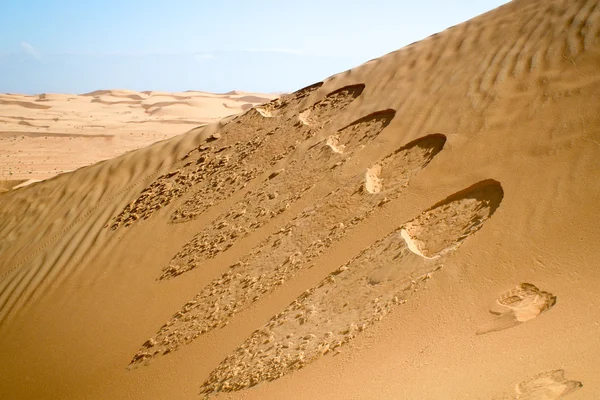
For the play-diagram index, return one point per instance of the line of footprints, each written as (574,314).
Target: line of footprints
(357,294)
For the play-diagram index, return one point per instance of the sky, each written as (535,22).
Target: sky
(77,46)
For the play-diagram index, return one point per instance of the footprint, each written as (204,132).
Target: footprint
(444,226)
(521,304)
(278,106)
(549,385)
(338,147)
(360,131)
(325,110)
(395,170)
(161,192)
(352,298)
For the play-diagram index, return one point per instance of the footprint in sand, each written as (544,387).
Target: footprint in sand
(275,107)
(359,132)
(551,385)
(324,111)
(356,295)
(444,226)
(519,305)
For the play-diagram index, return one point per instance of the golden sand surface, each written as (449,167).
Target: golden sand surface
(422,226)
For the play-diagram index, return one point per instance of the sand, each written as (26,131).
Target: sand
(422,226)
(48,134)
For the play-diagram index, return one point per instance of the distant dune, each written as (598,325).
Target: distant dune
(47,134)
(423,226)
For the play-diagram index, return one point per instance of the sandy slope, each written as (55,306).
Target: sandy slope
(422,226)
(47,134)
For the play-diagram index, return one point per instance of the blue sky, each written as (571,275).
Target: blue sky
(76,46)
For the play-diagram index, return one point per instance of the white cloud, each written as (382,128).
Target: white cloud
(32,51)
(274,50)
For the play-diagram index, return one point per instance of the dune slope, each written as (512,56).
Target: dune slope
(421,226)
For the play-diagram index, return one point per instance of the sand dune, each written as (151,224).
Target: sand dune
(421,226)
(47,134)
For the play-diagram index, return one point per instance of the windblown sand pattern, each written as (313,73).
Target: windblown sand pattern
(38,258)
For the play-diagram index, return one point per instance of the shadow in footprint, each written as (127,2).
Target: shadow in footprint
(519,305)
(550,385)
(448,223)
(359,132)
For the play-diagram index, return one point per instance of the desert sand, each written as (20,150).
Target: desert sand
(422,226)
(48,134)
